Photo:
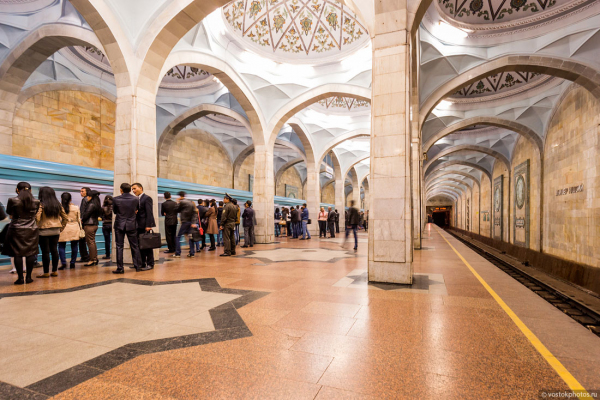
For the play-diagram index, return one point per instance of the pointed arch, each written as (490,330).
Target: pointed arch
(490,121)
(469,147)
(568,69)
(441,179)
(441,173)
(446,164)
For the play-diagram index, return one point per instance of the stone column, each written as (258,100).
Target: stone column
(355,189)
(313,196)
(135,149)
(340,201)
(264,195)
(416,191)
(390,233)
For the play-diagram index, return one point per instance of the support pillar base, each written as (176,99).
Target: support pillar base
(390,272)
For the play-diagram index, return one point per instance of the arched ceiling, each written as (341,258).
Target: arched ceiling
(295,30)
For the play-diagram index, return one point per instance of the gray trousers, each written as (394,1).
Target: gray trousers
(249,235)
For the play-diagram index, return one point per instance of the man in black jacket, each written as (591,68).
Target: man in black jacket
(188,214)
(294,218)
(248,218)
(145,222)
(337,221)
(331,222)
(83,252)
(169,210)
(353,221)
(125,208)
(228,222)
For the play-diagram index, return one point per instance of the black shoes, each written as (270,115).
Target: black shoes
(244,247)
(225,255)
(119,271)
(19,282)
(72,266)
(106,258)
(147,268)
(64,266)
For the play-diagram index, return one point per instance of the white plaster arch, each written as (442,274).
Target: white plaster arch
(468,148)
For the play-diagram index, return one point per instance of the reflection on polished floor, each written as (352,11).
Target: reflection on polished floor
(288,320)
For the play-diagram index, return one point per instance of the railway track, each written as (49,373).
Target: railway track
(566,301)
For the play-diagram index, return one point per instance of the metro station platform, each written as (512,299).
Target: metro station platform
(293,320)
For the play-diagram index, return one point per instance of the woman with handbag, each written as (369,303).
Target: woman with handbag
(51,221)
(22,236)
(89,220)
(322,223)
(212,228)
(72,232)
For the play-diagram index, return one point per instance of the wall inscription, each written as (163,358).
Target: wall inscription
(570,190)
(521,204)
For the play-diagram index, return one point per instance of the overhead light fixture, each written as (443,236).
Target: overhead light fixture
(444,105)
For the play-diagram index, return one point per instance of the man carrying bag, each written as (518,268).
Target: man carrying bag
(125,207)
(145,223)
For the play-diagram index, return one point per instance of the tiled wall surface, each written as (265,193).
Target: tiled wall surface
(247,168)
(70,127)
(571,154)
(328,194)
(289,177)
(197,158)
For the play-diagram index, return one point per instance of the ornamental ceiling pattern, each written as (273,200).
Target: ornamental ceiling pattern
(296,28)
(501,82)
(344,103)
(490,11)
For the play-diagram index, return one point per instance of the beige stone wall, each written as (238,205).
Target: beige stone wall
(70,127)
(501,169)
(525,149)
(196,157)
(485,205)
(328,194)
(289,177)
(571,154)
(247,168)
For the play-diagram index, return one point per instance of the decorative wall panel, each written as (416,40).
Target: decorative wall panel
(498,206)
(521,204)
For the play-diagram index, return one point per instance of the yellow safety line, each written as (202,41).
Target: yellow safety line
(566,376)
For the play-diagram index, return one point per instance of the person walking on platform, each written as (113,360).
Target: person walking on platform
(202,208)
(228,226)
(188,214)
(83,251)
(353,221)
(169,210)
(70,233)
(107,213)
(248,218)
(145,222)
(89,220)
(212,228)
(331,222)
(337,221)
(304,216)
(295,218)
(125,208)
(22,235)
(51,221)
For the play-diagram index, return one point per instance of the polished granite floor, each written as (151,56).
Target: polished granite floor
(296,319)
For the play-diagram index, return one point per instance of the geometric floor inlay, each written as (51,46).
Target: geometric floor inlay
(422,283)
(287,254)
(54,340)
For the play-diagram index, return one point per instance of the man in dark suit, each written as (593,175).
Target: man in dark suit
(294,221)
(331,222)
(169,210)
(145,222)
(125,208)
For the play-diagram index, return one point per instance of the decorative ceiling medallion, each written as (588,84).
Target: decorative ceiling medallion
(296,27)
(500,82)
(487,11)
(181,73)
(344,102)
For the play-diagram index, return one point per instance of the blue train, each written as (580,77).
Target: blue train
(70,178)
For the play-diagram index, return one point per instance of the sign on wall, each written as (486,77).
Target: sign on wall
(497,207)
(485,216)
(291,191)
(521,204)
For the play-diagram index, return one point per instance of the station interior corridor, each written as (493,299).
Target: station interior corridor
(294,320)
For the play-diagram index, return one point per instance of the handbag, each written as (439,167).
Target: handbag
(150,240)
(197,234)
(81,231)
(309,221)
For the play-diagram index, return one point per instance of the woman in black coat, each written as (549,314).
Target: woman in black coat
(89,220)
(22,237)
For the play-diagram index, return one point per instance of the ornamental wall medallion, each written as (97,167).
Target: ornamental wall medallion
(498,201)
(521,204)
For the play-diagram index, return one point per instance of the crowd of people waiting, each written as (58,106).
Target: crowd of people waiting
(49,224)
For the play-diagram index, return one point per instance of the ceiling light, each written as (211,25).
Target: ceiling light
(444,105)
(449,33)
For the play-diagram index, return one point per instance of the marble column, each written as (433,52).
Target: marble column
(416,191)
(313,196)
(135,149)
(263,195)
(355,189)
(390,233)
(340,201)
